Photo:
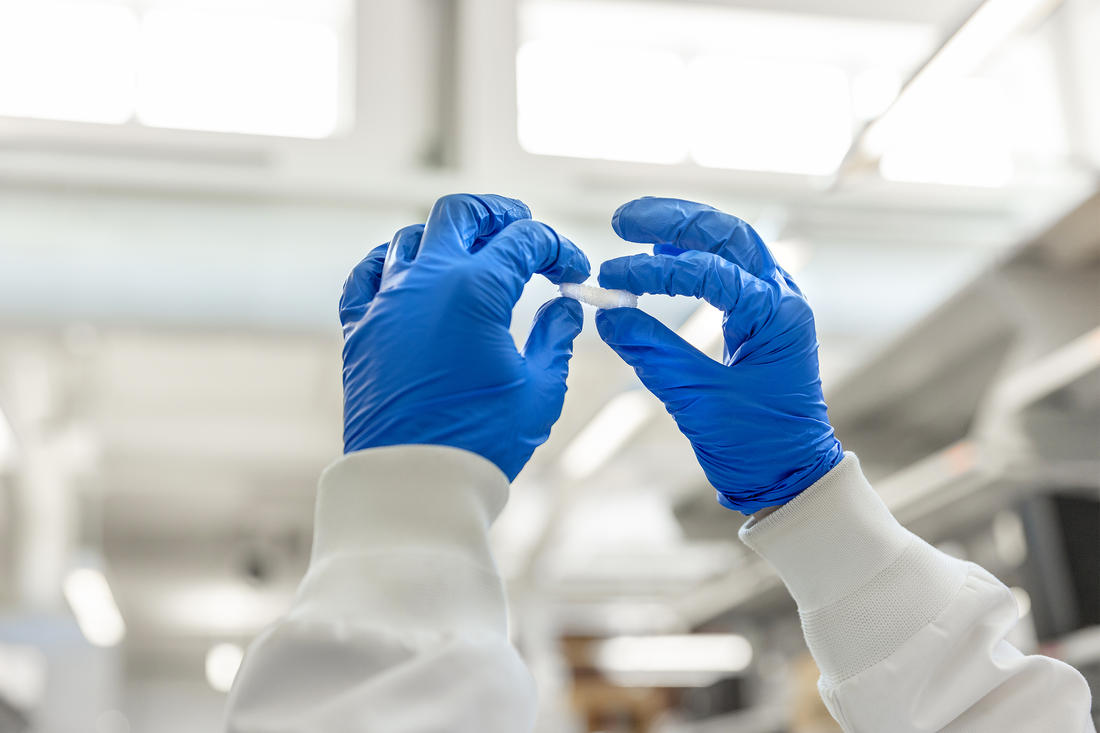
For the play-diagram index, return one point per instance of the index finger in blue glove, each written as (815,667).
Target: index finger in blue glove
(401,253)
(697,274)
(691,226)
(550,345)
(362,285)
(528,247)
(463,222)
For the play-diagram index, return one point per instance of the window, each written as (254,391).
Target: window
(588,101)
(67,61)
(954,137)
(723,87)
(265,69)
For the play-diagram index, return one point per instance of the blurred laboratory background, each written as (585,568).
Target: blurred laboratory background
(184,185)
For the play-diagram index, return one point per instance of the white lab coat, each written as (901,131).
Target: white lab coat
(399,626)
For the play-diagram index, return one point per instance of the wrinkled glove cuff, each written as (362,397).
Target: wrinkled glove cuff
(791,487)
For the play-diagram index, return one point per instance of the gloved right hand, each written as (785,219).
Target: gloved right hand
(757,421)
(428,358)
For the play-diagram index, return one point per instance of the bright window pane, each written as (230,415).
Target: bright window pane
(227,73)
(954,135)
(589,101)
(67,61)
(768,115)
(753,90)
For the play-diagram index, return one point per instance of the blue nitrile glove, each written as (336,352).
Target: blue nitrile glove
(427,354)
(757,422)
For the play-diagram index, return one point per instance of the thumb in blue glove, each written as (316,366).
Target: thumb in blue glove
(428,358)
(757,421)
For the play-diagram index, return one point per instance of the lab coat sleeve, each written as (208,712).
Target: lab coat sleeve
(399,625)
(907,638)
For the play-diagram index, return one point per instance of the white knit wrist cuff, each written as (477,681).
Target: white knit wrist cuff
(401,538)
(408,496)
(863,583)
(830,538)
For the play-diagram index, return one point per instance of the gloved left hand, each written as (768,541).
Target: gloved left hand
(428,358)
(757,420)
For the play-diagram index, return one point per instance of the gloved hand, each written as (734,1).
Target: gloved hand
(757,422)
(427,354)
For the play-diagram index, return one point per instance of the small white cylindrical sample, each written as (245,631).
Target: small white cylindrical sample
(599,297)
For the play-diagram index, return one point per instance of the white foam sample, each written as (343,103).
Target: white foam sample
(599,297)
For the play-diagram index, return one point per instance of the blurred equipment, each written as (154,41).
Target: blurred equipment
(991,405)
(993,398)
(686,660)
(605,708)
(808,712)
(1062,569)
(647,683)
(23,671)
(724,696)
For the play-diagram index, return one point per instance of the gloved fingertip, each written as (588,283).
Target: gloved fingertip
(519,209)
(505,208)
(573,308)
(550,344)
(362,283)
(625,219)
(612,324)
(581,268)
(405,244)
(572,265)
(616,219)
(613,273)
(562,309)
(604,327)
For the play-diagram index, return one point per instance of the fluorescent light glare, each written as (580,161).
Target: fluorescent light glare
(94,606)
(601,79)
(957,136)
(607,432)
(246,74)
(8,446)
(1023,601)
(768,115)
(993,24)
(693,28)
(703,328)
(682,659)
(68,61)
(990,26)
(23,671)
(873,91)
(583,100)
(1009,539)
(229,608)
(222,663)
